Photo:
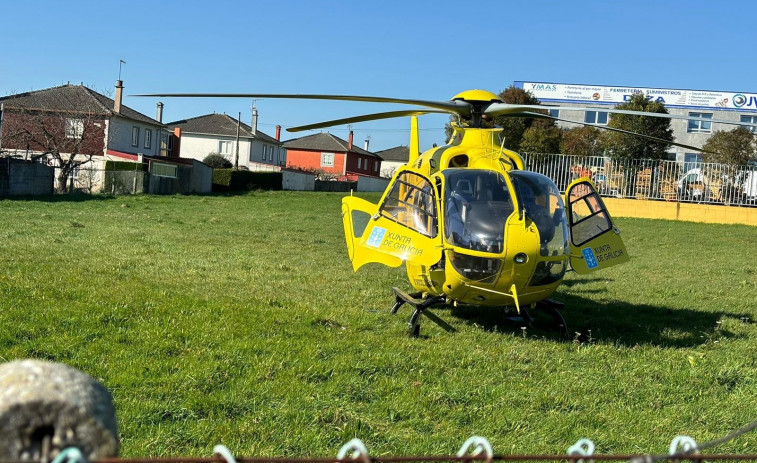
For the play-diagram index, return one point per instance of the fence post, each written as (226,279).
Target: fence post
(46,407)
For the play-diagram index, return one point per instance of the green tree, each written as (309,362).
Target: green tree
(625,146)
(581,141)
(514,128)
(734,147)
(217,161)
(541,140)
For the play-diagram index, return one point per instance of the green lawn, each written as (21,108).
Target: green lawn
(238,320)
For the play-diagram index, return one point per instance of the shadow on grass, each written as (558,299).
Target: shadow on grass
(619,323)
(584,281)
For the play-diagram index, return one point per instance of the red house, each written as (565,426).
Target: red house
(331,155)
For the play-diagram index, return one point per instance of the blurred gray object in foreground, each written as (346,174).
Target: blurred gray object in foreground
(46,407)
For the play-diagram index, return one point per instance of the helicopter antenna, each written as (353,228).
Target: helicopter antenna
(501,159)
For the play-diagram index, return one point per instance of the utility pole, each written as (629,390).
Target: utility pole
(2,109)
(236,157)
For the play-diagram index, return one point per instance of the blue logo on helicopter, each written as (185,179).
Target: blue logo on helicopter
(377,236)
(591,261)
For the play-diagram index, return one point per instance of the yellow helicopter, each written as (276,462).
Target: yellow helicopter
(474,227)
(470,223)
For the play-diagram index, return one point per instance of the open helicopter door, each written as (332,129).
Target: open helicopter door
(405,227)
(595,242)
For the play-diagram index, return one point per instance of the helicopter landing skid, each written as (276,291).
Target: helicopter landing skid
(553,309)
(548,305)
(419,308)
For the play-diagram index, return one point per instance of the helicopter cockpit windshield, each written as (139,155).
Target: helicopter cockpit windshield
(541,200)
(477,204)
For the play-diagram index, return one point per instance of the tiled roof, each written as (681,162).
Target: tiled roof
(72,98)
(324,142)
(398,153)
(219,124)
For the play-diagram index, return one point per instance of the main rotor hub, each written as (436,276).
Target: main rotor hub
(478,100)
(478,96)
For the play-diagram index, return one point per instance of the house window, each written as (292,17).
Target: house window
(163,170)
(375,166)
(359,161)
(224,147)
(148,138)
(270,153)
(74,128)
(750,120)
(327,159)
(700,126)
(135,136)
(596,117)
(262,155)
(554,112)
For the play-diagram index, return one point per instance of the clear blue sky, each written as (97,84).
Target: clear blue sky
(410,49)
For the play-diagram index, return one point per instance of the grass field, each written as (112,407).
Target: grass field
(238,320)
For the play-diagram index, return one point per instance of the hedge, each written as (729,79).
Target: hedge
(242,180)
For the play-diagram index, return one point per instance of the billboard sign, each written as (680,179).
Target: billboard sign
(601,94)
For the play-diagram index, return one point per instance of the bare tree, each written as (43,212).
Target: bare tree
(66,139)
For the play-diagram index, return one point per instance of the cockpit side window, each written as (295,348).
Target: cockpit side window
(540,199)
(589,218)
(411,202)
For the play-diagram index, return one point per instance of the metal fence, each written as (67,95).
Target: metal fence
(658,180)
(91,180)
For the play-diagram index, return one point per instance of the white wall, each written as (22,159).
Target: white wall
(202,178)
(297,181)
(389,167)
(196,146)
(371,183)
(119,137)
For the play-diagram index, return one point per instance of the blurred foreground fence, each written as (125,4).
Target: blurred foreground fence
(648,179)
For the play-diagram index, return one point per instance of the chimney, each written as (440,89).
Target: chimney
(176,151)
(254,120)
(367,142)
(349,141)
(159,115)
(278,133)
(119,96)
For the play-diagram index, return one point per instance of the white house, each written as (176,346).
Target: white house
(200,136)
(55,122)
(393,158)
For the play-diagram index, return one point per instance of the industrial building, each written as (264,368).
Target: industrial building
(707,104)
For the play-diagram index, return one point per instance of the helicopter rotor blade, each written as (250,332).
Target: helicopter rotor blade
(363,118)
(505,109)
(456,107)
(613,129)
